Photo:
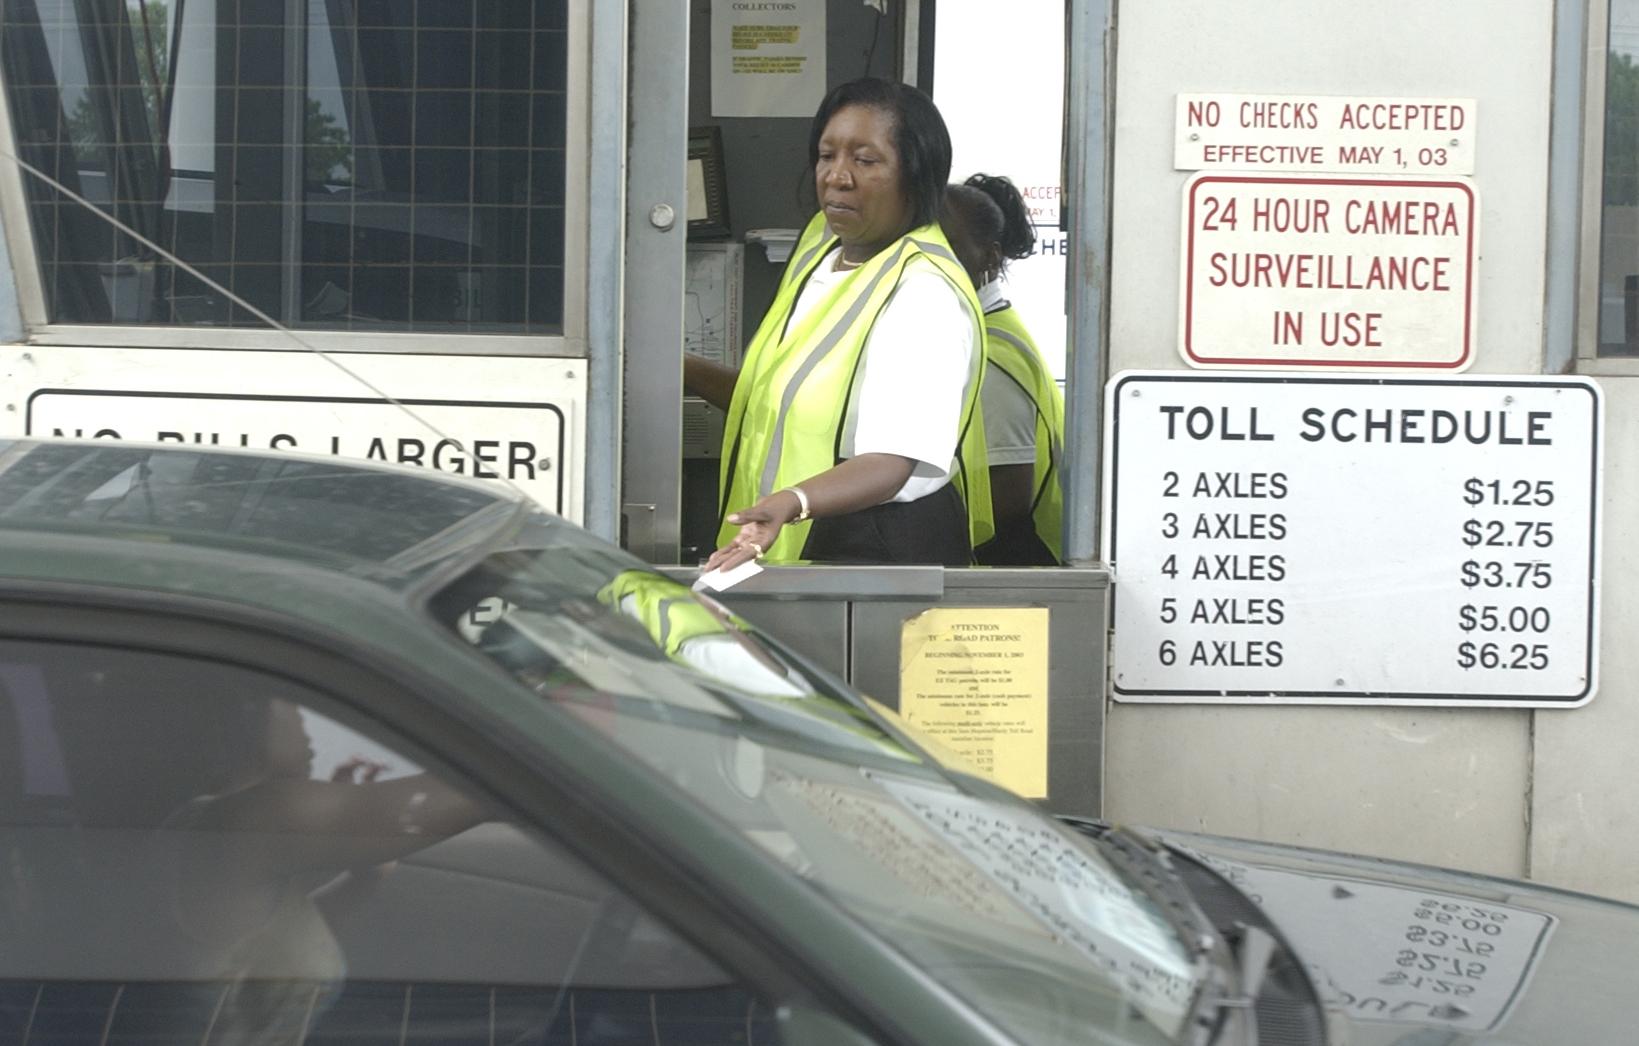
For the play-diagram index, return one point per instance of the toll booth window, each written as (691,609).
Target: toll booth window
(1619,235)
(373,165)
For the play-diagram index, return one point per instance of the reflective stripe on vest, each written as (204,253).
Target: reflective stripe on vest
(667,610)
(790,402)
(673,617)
(814,243)
(1010,349)
(810,247)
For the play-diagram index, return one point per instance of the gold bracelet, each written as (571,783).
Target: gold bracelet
(802,504)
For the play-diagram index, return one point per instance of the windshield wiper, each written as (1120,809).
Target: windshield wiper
(1234,960)
(1233,1014)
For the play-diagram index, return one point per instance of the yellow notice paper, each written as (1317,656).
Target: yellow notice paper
(975,678)
(767,57)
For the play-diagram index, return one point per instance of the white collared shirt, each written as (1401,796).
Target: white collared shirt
(913,378)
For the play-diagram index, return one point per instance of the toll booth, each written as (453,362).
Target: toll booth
(479,237)
(748,159)
(365,228)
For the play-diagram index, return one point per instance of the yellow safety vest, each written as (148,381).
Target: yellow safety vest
(785,421)
(1009,348)
(673,616)
(667,610)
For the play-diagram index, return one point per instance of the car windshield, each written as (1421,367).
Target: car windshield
(1024,919)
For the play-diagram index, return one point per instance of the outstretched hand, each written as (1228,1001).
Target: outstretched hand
(357,770)
(759,527)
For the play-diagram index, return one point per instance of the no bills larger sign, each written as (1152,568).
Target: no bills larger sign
(513,419)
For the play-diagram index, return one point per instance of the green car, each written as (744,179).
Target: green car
(294,750)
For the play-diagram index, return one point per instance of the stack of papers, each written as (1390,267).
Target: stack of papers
(777,242)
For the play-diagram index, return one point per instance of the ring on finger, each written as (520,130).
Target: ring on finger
(758,549)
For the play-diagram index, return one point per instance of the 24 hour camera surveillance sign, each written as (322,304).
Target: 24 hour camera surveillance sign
(1337,273)
(1353,540)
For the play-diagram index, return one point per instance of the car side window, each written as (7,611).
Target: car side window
(193,851)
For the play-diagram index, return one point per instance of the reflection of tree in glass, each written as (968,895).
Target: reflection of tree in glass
(1621,131)
(328,155)
(150,38)
(84,133)
(150,44)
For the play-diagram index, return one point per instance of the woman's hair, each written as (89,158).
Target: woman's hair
(973,224)
(1016,237)
(919,135)
(987,222)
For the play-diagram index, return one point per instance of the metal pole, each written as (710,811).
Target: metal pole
(606,236)
(1565,186)
(294,161)
(910,49)
(656,230)
(11,316)
(1088,73)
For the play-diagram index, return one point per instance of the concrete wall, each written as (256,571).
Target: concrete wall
(1584,811)
(1509,792)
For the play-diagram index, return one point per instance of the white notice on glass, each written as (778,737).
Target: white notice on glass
(767,57)
(1078,899)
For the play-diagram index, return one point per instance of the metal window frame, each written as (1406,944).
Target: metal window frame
(1591,227)
(910,44)
(653,261)
(572,342)
(1089,76)
(1593,50)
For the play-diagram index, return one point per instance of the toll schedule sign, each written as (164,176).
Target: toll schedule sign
(1287,271)
(1353,540)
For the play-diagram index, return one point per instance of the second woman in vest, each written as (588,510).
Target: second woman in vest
(988,223)
(853,430)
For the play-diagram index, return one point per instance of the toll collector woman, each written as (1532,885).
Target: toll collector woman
(987,222)
(854,432)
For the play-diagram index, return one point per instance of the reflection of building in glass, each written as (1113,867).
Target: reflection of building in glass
(1619,237)
(415,181)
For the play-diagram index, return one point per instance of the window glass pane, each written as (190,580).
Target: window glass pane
(196,852)
(413,179)
(1027,921)
(570,616)
(1619,236)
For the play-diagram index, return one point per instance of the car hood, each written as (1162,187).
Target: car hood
(1417,956)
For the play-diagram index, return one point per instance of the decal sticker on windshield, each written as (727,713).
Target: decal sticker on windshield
(1081,902)
(1396,953)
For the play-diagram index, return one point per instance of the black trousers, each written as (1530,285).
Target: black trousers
(928,530)
(1016,546)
